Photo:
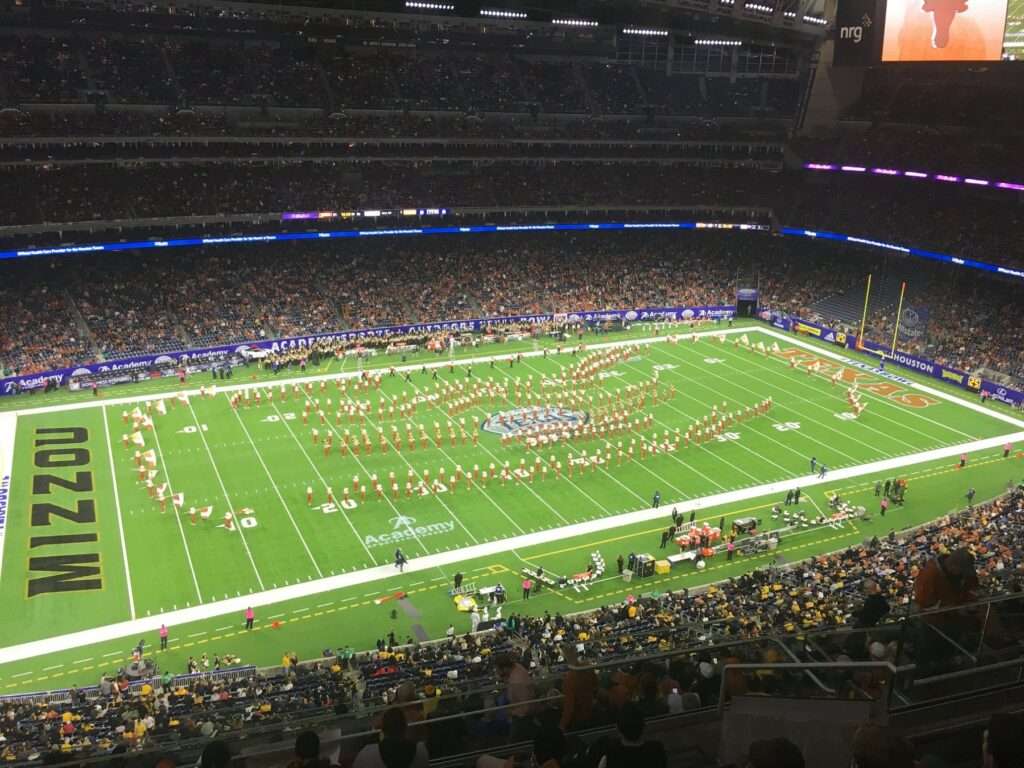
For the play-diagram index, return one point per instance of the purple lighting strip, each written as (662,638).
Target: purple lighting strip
(916,175)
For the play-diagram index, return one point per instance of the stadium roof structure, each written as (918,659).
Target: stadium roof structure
(805,20)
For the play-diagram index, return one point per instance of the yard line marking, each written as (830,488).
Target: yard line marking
(20,674)
(878,398)
(603,469)
(117,509)
(108,655)
(802,414)
(387,498)
(224,490)
(773,420)
(82,661)
(943,395)
(540,498)
(276,616)
(276,489)
(323,480)
(55,666)
(177,515)
(715,453)
(479,487)
(196,634)
(324,605)
(300,610)
(437,496)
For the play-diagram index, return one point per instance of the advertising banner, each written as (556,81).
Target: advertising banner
(818,331)
(142,363)
(776,319)
(909,362)
(858,32)
(913,324)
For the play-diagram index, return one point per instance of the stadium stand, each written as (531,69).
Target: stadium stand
(215,113)
(254,293)
(645,649)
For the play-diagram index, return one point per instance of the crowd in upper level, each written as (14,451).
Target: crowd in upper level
(293,73)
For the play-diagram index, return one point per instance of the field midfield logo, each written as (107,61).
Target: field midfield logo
(518,419)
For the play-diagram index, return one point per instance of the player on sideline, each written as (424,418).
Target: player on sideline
(814,463)
(821,472)
(400,560)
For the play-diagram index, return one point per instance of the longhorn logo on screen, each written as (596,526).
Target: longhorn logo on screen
(943,13)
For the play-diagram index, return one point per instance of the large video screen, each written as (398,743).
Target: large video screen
(944,30)
(1013,44)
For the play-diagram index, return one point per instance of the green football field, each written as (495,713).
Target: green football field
(91,563)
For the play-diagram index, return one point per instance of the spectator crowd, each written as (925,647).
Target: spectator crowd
(655,655)
(71,311)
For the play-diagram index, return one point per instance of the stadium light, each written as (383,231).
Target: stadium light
(789,14)
(424,6)
(815,20)
(645,32)
(496,13)
(975,182)
(759,7)
(718,42)
(727,2)
(574,22)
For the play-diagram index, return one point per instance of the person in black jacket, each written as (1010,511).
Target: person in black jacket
(631,750)
(875,606)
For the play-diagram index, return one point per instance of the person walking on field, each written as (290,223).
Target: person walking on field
(250,617)
(163,637)
(527,588)
(885,505)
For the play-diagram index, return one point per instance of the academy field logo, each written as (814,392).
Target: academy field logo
(402,521)
(405,529)
(518,419)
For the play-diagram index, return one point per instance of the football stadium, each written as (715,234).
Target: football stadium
(403,383)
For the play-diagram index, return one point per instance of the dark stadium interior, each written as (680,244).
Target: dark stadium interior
(123,121)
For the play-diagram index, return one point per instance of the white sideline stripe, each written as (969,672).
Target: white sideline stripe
(120,519)
(995,414)
(429,562)
(270,383)
(8,426)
